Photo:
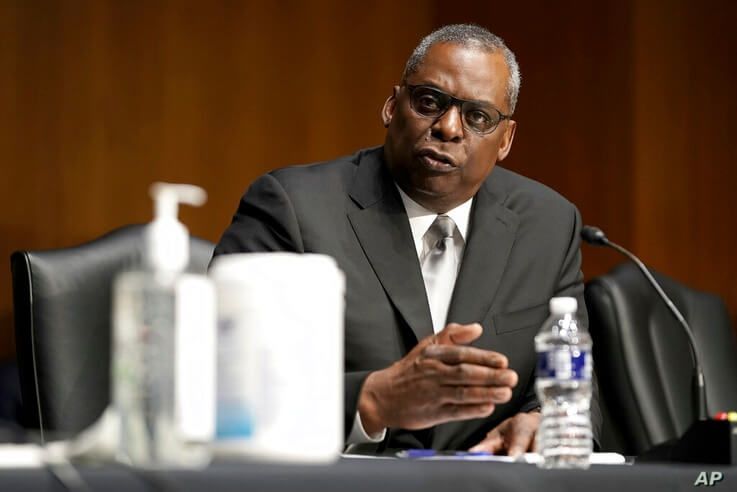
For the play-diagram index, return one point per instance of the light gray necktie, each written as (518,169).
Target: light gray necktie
(439,269)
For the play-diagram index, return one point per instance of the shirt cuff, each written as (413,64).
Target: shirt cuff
(358,434)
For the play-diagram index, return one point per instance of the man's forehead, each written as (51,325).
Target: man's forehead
(467,72)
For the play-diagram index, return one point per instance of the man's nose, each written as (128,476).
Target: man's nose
(449,126)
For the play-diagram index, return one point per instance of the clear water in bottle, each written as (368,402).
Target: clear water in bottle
(563,386)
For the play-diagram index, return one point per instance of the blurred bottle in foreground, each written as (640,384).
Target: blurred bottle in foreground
(163,367)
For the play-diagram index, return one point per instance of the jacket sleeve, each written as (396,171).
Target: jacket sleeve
(265,221)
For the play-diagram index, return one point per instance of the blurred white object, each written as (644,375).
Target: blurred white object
(594,458)
(21,456)
(280,356)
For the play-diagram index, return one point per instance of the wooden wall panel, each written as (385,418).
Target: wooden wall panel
(101,97)
(684,135)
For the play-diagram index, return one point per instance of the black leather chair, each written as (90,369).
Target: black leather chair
(643,361)
(62,302)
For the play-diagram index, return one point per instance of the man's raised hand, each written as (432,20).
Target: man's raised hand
(440,380)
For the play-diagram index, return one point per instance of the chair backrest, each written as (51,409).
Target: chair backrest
(62,311)
(643,360)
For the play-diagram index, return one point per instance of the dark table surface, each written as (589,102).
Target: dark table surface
(375,476)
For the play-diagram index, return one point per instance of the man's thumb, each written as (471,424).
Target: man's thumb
(457,334)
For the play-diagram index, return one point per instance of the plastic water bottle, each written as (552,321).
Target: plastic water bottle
(563,385)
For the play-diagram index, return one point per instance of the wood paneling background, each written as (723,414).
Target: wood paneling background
(626,108)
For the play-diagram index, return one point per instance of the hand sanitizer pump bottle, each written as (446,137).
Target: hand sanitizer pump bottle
(163,367)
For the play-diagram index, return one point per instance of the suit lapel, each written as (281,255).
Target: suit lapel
(383,230)
(491,236)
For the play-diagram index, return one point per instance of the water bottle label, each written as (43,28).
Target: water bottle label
(564,364)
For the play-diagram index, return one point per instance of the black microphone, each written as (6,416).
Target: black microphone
(704,441)
(594,235)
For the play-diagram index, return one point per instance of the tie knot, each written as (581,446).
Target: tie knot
(443,227)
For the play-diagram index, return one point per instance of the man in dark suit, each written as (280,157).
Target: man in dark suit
(449,260)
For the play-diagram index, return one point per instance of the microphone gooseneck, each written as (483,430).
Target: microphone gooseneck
(594,235)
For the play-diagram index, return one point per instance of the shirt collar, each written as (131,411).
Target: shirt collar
(420,218)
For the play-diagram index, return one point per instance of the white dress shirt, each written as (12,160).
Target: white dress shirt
(420,220)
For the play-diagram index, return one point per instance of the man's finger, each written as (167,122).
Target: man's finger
(457,334)
(520,436)
(454,354)
(518,443)
(465,395)
(473,375)
(452,334)
(493,443)
(422,345)
(451,411)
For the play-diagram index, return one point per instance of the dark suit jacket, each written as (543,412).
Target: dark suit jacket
(522,249)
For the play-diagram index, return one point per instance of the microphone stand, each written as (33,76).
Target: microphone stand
(706,441)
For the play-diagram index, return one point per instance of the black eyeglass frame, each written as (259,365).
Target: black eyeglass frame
(455,101)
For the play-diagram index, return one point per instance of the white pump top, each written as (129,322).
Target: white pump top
(167,239)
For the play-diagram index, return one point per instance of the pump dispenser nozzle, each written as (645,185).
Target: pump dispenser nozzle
(167,239)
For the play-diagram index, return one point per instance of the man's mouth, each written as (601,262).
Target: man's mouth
(436,161)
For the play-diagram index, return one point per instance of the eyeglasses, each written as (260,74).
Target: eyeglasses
(477,116)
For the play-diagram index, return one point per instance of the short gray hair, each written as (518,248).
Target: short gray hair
(470,36)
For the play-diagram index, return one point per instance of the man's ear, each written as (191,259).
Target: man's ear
(507,138)
(390,105)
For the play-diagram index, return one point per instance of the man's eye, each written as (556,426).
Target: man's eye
(478,118)
(428,102)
